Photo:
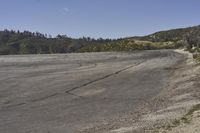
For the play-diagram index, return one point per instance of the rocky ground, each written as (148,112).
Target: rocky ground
(188,98)
(177,108)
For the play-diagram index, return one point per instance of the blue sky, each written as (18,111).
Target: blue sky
(98,18)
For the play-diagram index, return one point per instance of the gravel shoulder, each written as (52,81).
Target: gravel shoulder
(176,109)
(188,99)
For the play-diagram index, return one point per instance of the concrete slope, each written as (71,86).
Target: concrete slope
(66,93)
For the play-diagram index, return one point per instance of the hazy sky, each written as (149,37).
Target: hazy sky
(98,18)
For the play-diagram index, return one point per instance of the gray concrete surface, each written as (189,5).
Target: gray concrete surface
(67,93)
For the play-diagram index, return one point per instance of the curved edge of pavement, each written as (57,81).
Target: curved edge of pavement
(177,107)
(188,100)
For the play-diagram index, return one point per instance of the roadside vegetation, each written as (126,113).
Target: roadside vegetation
(196,54)
(128,45)
(197,57)
(186,119)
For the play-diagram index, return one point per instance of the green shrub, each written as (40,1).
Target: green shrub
(196,56)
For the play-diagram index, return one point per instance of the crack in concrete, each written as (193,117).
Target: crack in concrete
(102,78)
(43,98)
(15,105)
(78,87)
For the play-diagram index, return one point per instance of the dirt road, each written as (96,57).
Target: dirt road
(68,93)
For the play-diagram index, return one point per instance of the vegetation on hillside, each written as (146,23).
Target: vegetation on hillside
(128,45)
(189,37)
(185,37)
(12,42)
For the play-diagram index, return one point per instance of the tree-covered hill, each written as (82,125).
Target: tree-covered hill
(15,42)
(176,38)
(129,45)
(187,36)
(12,42)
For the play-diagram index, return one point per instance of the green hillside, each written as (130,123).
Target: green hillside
(176,38)
(12,42)
(128,45)
(15,42)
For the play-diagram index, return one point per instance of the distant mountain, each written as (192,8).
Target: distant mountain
(15,42)
(190,33)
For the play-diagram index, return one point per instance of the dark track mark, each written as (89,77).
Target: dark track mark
(102,78)
(69,91)
(15,105)
(43,98)
(171,68)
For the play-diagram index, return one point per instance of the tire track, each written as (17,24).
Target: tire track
(102,78)
(43,98)
(69,92)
